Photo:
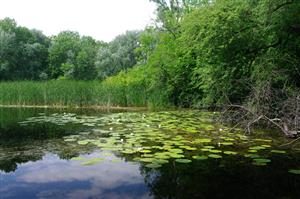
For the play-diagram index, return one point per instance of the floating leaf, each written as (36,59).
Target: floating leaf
(295,171)
(176,156)
(214,156)
(83,142)
(209,147)
(263,140)
(226,143)
(266,145)
(128,151)
(205,150)
(145,151)
(252,151)
(78,158)
(153,166)
(146,159)
(160,161)
(202,157)
(262,160)
(147,155)
(257,148)
(188,148)
(185,161)
(70,140)
(203,140)
(229,139)
(92,161)
(278,151)
(215,151)
(175,150)
(230,153)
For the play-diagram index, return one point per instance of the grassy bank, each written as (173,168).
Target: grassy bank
(121,90)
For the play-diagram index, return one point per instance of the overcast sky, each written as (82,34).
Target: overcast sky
(101,19)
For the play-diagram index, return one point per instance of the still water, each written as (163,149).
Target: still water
(50,153)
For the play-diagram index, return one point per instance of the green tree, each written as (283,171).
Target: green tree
(23,52)
(62,53)
(118,55)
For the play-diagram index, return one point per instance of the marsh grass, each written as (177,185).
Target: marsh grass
(115,91)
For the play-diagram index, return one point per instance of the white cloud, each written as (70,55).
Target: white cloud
(103,178)
(101,19)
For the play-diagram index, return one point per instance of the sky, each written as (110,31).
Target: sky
(101,19)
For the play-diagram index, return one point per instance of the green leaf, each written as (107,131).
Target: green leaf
(295,171)
(185,161)
(202,157)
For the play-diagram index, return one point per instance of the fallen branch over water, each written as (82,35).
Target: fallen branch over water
(250,118)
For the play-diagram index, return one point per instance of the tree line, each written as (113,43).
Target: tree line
(199,52)
(30,55)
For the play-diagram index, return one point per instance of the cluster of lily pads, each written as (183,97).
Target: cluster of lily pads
(157,138)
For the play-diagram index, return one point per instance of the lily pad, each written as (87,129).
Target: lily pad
(185,161)
(83,142)
(295,171)
(215,156)
(160,161)
(78,158)
(215,151)
(204,140)
(230,153)
(252,151)
(145,151)
(176,156)
(209,147)
(262,160)
(278,151)
(70,140)
(202,157)
(128,151)
(205,150)
(146,159)
(92,161)
(257,148)
(153,166)
(227,143)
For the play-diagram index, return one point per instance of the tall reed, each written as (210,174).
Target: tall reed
(116,91)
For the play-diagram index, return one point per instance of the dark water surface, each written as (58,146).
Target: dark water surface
(49,153)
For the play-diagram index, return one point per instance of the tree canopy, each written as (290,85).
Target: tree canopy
(201,53)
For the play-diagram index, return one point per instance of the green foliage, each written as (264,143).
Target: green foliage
(72,56)
(225,50)
(118,55)
(125,89)
(201,54)
(23,52)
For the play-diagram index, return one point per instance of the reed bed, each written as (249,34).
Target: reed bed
(115,91)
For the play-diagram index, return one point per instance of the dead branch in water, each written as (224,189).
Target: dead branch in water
(255,118)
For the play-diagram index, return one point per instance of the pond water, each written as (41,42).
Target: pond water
(50,153)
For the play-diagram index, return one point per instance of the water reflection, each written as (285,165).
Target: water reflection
(52,177)
(36,162)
